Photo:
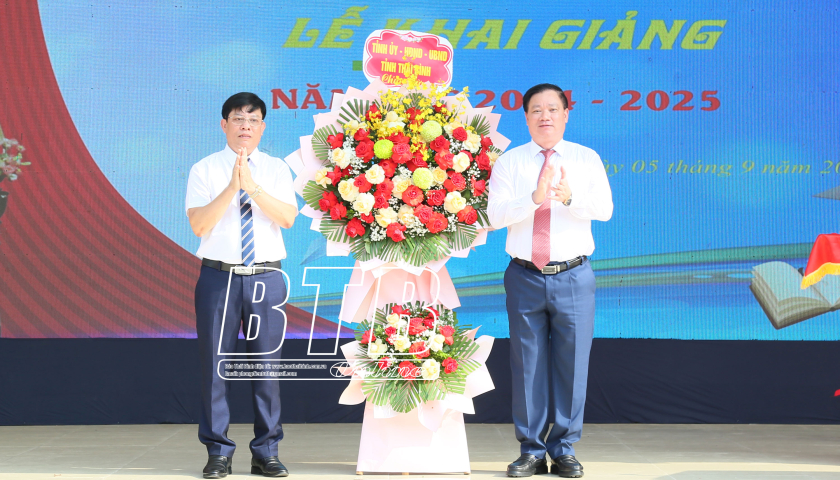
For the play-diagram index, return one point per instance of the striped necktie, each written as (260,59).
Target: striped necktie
(541,239)
(247,219)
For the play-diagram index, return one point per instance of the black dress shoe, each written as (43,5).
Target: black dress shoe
(566,466)
(268,467)
(527,465)
(218,466)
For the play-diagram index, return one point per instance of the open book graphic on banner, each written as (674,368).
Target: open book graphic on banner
(776,286)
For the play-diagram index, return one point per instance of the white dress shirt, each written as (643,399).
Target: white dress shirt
(210,176)
(514,179)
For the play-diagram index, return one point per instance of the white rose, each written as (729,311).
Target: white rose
(406,215)
(321,177)
(430,370)
(493,157)
(376,349)
(439,176)
(393,320)
(402,343)
(436,343)
(393,120)
(340,158)
(473,142)
(364,203)
(347,190)
(454,202)
(386,216)
(401,182)
(461,162)
(352,127)
(375,175)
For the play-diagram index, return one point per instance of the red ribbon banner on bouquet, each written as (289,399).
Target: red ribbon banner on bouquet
(392,55)
(824,259)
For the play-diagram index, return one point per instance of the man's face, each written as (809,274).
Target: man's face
(244,134)
(546,118)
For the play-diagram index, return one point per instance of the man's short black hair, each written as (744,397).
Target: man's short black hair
(542,88)
(247,102)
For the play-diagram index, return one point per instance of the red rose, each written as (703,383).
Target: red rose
(399,138)
(390,331)
(478,187)
(361,182)
(398,309)
(364,150)
(435,197)
(368,337)
(437,223)
(384,363)
(440,144)
(415,326)
(486,142)
(413,196)
(361,134)
(355,227)
(460,134)
(467,215)
(416,161)
(396,231)
(386,187)
(432,313)
(483,161)
(401,153)
(429,322)
(447,330)
(450,365)
(458,180)
(444,160)
(412,113)
(438,107)
(338,211)
(336,141)
(367,217)
(328,199)
(335,175)
(373,111)
(419,350)
(408,370)
(423,213)
(380,200)
(389,166)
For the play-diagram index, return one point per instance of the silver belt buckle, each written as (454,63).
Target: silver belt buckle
(549,270)
(243,270)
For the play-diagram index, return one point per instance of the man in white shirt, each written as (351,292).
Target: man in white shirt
(237,201)
(547,192)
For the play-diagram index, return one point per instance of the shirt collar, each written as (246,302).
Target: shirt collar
(535,149)
(230,156)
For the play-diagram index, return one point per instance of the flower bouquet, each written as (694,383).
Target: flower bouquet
(412,354)
(11,161)
(403,177)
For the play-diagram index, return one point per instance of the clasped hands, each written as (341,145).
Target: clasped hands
(241,178)
(545,191)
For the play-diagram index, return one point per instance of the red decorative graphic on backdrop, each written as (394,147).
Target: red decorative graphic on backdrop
(76,260)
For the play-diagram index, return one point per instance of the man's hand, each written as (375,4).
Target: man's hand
(561,192)
(245,180)
(234,184)
(543,185)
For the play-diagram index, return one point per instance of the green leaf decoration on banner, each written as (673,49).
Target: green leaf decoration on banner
(354,110)
(334,230)
(320,145)
(480,124)
(312,194)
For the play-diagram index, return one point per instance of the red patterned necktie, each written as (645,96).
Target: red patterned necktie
(541,238)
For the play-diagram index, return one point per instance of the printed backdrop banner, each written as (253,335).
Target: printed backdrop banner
(717,123)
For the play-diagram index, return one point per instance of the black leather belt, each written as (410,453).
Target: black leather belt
(554,267)
(241,269)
